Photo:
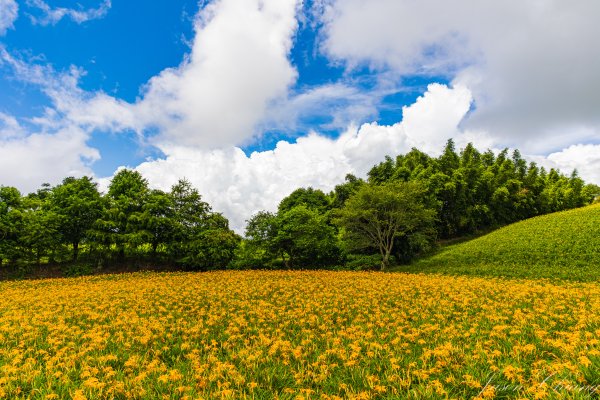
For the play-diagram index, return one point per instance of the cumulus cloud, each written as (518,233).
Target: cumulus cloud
(237,78)
(52,15)
(26,162)
(585,158)
(9,11)
(239,185)
(238,64)
(531,66)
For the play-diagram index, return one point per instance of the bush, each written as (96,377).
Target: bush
(360,262)
(77,270)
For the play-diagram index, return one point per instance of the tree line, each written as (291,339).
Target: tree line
(403,207)
(74,223)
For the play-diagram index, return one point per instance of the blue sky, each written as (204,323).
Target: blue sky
(137,39)
(119,53)
(250,99)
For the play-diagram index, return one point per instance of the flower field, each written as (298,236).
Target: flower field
(294,335)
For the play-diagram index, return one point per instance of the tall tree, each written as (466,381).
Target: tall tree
(40,229)
(376,215)
(304,239)
(78,205)
(122,223)
(259,245)
(190,214)
(157,219)
(11,222)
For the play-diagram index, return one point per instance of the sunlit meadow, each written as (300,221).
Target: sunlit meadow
(294,335)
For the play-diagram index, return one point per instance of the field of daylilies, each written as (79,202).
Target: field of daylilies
(298,335)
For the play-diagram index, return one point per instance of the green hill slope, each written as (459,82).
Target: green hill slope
(561,245)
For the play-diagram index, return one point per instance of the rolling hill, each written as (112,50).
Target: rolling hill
(563,245)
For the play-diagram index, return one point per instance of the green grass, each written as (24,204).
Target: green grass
(564,245)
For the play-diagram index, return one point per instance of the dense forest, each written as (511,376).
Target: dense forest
(403,208)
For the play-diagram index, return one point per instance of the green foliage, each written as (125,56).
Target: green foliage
(360,262)
(382,216)
(300,237)
(74,270)
(127,225)
(473,191)
(560,245)
(121,224)
(40,231)
(212,247)
(343,191)
(469,192)
(309,197)
(259,248)
(304,239)
(157,219)
(77,204)
(11,223)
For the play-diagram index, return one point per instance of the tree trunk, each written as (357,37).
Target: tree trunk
(75,250)
(121,254)
(385,261)
(286,262)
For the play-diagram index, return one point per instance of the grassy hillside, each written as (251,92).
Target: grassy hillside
(561,245)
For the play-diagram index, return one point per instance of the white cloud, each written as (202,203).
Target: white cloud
(531,65)
(237,77)
(51,16)
(240,185)
(27,162)
(10,127)
(9,10)
(341,104)
(238,64)
(583,157)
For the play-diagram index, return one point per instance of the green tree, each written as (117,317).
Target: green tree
(343,191)
(377,215)
(158,219)
(304,239)
(190,214)
(259,244)
(449,161)
(309,197)
(213,246)
(78,205)
(122,223)
(11,222)
(40,229)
